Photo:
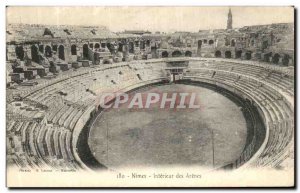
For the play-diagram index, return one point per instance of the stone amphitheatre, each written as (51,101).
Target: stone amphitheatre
(244,77)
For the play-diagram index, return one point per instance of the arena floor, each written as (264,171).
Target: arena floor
(159,137)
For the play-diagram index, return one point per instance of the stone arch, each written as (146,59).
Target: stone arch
(154,50)
(142,45)
(164,54)
(265,44)
(248,55)
(218,54)
(48,51)
(120,47)
(19,52)
(199,44)
(85,51)
(232,43)
(131,47)
(188,54)
(176,53)
(238,54)
(267,57)
(35,54)
(41,48)
(228,54)
(136,43)
(227,42)
(210,42)
(61,52)
(97,45)
(73,49)
(110,47)
(275,58)
(286,60)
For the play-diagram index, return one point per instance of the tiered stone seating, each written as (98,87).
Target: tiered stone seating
(61,102)
(278,114)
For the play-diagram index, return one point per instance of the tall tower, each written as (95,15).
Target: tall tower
(229,20)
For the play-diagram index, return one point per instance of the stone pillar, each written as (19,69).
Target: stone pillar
(262,57)
(233,54)
(68,54)
(27,49)
(253,57)
(280,61)
(125,49)
(271,59)
(243,56)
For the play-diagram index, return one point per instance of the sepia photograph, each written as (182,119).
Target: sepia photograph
(150,96)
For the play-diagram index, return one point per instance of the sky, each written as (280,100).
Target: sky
(165,19)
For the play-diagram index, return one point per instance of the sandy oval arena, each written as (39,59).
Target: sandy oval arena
(211,136)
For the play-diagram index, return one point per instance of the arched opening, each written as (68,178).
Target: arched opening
(148,43)
(238,54)
(47,32)
(199,44)
(285,60)
(73,49)
(205,41)
(218,54)
(91,45)
(210,42)
(61,52)
(137,43)
(265,44)
(35,54)
(267,57)
(131,47)
(153,51)
(227,42)
(20,52)
(164,54)
(41,48)
(110,47)
(275,58)
(97,46)
(142,45)
(232,43)
(85,52)
(227,54)
(52,64)
(176,53)
(248,55)
(48,51)
(103,45)
(120,48)
(188,54)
